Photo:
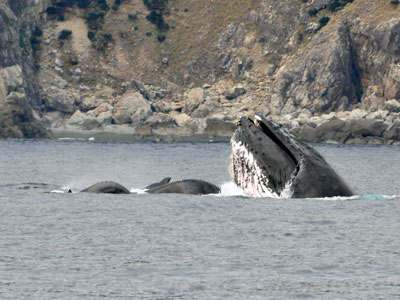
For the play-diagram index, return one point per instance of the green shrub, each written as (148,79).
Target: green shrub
(35,42)
(114,7)
(83,3)
(23,42)
(160,5)
(52,10)
(312,11)
(161,38)
(91,35)
(64,34)
(395,2)
(334,5)
(103,6)
(94,15)
(157,19)
(154,16)
(108,36)
(69,3)
(132,16)
(61,17)
(37,31)
(324,20)
(148,33)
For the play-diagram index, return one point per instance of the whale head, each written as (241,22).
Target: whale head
(268,161)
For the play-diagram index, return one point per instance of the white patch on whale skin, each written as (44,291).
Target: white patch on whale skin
(249,175)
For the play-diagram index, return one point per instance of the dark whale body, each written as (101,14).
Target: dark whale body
(268,161)
(188,186)
(107,187)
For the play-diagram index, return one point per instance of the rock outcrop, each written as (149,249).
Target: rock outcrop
(328,70)
(18,86)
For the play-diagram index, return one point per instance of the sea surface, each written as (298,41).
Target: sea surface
(55,245)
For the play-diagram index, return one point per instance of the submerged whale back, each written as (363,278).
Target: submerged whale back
(106,187)
(188,186)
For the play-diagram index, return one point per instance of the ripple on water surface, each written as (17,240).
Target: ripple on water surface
(89,246)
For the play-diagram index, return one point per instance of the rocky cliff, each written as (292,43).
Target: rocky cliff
(174,69)
(19,92)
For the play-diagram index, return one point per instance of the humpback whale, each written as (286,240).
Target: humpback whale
(107,187)
(268,161)
(187,186)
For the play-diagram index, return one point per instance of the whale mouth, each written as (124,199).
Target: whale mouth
(262,163)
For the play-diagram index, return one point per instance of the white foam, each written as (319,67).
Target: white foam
(57,191)
(138,191)
(231,189)
(251,177)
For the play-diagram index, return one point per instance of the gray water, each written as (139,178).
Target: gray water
(92,246)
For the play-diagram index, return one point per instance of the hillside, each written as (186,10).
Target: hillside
(170,69)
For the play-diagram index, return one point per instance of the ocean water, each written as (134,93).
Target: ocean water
(55,245)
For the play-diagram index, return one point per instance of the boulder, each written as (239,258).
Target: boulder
(365,128)
(160,120)
(393,131)
(333,130)
(218,127)
(82,121)
(131,108)
(235,92)
(392,105)
(90,103)
(181,119)
(60,100)
(194,98)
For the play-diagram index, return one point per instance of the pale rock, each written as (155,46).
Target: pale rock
(357,114)
(181,119)
(102,108)
(157,120)
(58,62)
(377,115)
(60,100)
(12,78)
(131,108)
(60,83)
(392,105)
(194,98)
(235,92)
(90,103)
(52,119)
(82,121)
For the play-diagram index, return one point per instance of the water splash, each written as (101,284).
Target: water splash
(231,189)
(138,191)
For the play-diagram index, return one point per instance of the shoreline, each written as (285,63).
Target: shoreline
(118,136)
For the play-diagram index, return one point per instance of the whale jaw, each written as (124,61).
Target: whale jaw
(268,161)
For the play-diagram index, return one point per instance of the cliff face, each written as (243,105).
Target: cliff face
(194,67)
(18,87)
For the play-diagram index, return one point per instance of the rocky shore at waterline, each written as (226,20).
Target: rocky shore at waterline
(73,69)
(351,127)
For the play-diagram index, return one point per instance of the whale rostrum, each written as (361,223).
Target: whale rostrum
(268,161)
